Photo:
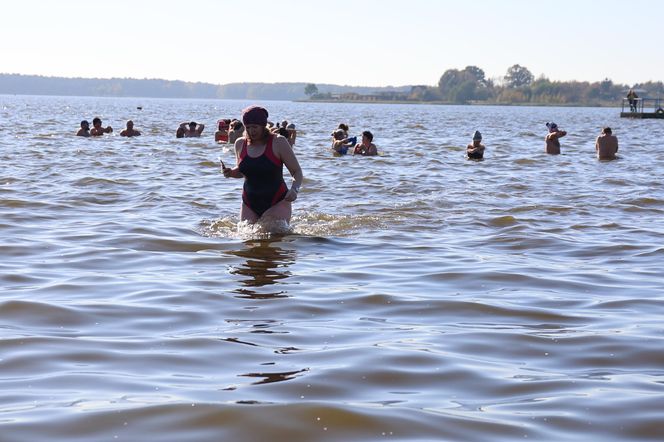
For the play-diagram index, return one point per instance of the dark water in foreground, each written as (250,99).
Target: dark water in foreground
(420,296)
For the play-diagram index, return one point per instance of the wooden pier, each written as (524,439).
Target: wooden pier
(643,108)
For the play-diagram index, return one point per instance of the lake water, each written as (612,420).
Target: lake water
(420,296)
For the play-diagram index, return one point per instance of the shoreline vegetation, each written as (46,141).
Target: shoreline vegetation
(468,86)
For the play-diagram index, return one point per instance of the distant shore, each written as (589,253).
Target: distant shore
(475,103)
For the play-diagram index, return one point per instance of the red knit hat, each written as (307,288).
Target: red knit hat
(255,115)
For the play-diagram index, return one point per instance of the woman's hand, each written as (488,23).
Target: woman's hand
(291,195)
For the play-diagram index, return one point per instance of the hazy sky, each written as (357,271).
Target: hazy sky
(351,42)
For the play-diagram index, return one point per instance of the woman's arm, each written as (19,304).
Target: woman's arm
(235,171)
(284,151)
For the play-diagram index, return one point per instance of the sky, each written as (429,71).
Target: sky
(345,42)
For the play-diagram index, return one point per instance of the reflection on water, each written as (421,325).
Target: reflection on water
(265,265)
(268,378)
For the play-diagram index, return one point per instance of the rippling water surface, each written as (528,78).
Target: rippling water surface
(419,296)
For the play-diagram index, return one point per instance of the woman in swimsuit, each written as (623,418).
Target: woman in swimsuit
(260,156)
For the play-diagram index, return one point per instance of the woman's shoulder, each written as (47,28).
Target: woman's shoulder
(279,143)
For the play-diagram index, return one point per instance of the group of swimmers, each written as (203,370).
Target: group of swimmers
(98,129)
(341,142)
(261,151)
(606,144)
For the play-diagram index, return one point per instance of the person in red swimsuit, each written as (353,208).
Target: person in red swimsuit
(260,157)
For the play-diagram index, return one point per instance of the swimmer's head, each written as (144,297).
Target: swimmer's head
(96,121)
(85,124)
(552,127)
(477,136)
(130,124)
(607,130)
(192,125)
(291,126)
(339,134)
(368,135)
(255,115)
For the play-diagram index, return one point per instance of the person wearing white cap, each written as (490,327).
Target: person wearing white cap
(292,134)
(552,139)
(475,150)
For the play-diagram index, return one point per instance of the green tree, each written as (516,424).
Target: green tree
(463,86)
(518,76)
(311,90)
(477,74)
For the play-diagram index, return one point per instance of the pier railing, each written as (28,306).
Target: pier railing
(640,105)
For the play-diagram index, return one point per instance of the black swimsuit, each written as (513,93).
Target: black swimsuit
(264,184)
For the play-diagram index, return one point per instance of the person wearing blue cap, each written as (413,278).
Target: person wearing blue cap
(553,139)
(475,150)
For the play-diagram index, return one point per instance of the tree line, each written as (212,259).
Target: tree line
(517,86)
(133,87)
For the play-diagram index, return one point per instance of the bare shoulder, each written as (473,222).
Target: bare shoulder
(281,145)
(238,145)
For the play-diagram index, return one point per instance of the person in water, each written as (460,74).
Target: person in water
(292,134)
(221,135)
(553,138)
(129,131)
(98,130)
(606,145)
(188,130)
(475,150)
(236,131)
(366,147)
(260,157)
(341,143)
(84,131)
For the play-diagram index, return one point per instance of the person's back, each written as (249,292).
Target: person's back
(606,145)
(191,129)
(237,131)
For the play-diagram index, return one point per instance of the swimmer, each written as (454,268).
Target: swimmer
(190,130)
(221,135)
(98,130)
(606,145)
(129,131)
(84,131)
(292,134)
(341,143)
(475,150)
(260,157)
(366,147)
(236,131)
(553,139)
